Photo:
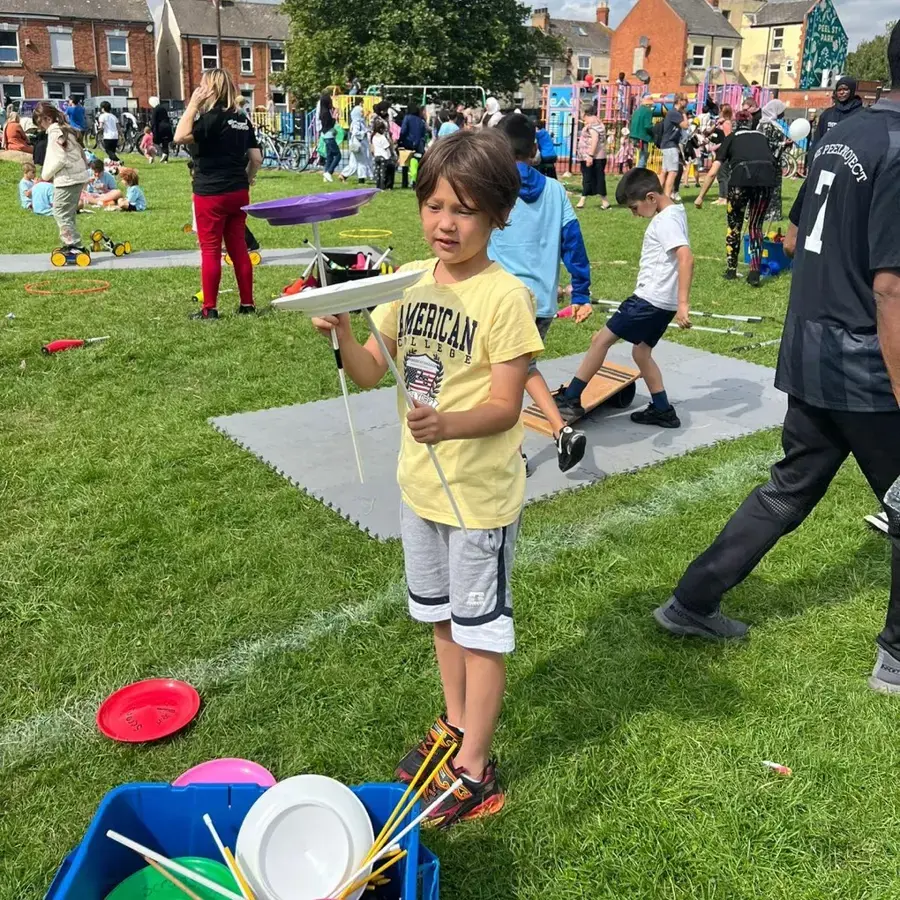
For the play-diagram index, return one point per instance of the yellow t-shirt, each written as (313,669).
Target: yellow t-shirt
(448,337)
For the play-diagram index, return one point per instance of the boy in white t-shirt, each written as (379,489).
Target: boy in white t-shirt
(662,294)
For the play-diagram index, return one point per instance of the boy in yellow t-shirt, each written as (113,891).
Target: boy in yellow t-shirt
(462,338)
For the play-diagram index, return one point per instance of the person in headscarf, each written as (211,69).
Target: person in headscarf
(846,103)
(360,162)
(769,125)
(492,114)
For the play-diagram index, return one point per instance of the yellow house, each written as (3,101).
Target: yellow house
(773,35)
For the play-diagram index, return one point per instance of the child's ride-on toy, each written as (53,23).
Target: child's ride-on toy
(255,258)
(70,256)
(99,241)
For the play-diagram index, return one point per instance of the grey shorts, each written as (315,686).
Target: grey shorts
(671,159)
(461,579)
(543,326)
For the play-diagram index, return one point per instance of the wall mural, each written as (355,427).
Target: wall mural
(825,46)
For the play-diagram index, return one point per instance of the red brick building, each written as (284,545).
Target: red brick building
(53,48)
(254,36)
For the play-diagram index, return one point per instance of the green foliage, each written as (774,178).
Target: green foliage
(416,42)
(868,62)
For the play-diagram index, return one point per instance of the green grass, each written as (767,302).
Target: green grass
(136,541)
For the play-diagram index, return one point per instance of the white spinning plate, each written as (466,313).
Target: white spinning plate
(351,295)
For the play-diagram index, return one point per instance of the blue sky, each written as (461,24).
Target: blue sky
(862,18)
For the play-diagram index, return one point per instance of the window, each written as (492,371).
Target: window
(247,94)
(276,59)
(61,53)
(778,39)
(55,90)
(121,92)
(727,62)
(209,56)
(9,47)
(773,76)
(279,98)
(637,62)
(117,46)
(12,93)
(546,74)
(62,90)
(78,89)
(247,60)
(584,68)
(698,56)
(582,31)
(789,67)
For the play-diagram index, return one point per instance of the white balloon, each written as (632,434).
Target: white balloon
(800,129)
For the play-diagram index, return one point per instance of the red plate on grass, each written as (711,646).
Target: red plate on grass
(148,710)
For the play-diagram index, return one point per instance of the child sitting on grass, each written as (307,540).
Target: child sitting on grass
(25,185)
(148,148)
(662,293)
(42,198)
(101,183)
(463,337)
(134,199)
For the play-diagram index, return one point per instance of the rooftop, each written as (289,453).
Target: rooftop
(250,21)
(783,12)
(105,10)
(702,19)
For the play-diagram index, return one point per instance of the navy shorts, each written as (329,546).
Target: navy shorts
(640,322)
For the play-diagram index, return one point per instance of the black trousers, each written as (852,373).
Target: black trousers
(816,442)
(110,147)
(384,173)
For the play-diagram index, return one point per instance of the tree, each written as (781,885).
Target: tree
(413,42)
(868,62)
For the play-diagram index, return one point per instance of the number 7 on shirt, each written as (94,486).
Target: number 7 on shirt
(814,240)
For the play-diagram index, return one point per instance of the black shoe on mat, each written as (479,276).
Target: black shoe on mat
(246,309)
(654,416)
(677,619)
(570,447)
(443,733)
(471,800)
(211,313)
(570,410)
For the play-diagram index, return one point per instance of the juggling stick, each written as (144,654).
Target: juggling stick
(409,402)
(320,259)
(694,312)
(747,334)
(381,259)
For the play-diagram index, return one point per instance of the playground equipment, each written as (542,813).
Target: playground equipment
(101,241)
(70,256)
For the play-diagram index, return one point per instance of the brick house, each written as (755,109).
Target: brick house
(53,48)
(586,46)
(254,36)
(676,42)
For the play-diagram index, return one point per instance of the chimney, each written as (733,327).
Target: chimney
(714,4)
(603,13)
(540,18)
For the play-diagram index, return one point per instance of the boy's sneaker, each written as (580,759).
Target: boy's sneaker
(204,314)
(753,279)
(570,447)
(654,416)
(443,733)
(677,619)
(730,275)
(570,410)
(246,309)
(885,677)
(471,800)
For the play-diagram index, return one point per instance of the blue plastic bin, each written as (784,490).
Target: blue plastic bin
(773,255)
(170,820)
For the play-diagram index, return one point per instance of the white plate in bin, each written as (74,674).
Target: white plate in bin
(303,838)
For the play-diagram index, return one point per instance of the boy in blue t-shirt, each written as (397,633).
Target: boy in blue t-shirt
(542,231)
(42,198)
(26,184)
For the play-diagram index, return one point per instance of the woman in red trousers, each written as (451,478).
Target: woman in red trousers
(226,161)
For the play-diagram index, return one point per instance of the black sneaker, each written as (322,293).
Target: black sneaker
(443,733)
(753,279)
(885,678)
(205,314)
(246,309)
(471,800)
(570,447)
(570,410)
(730,275)
(677,619)
(653,416)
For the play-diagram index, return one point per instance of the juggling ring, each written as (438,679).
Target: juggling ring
(367,234)
(100,285)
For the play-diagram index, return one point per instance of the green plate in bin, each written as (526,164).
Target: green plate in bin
(148,884)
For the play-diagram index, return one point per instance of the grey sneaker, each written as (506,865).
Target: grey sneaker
(885,678)
(677,619)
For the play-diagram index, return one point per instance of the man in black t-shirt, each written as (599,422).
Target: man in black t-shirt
(839,365)
(674,122)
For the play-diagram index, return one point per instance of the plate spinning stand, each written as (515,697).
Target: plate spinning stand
(311,210)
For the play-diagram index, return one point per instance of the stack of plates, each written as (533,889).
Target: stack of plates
(303,838)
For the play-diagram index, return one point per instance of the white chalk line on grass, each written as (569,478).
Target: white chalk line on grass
(71,722)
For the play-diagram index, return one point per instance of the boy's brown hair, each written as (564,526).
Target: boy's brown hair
(481,169)
(97,165)
(27,168)
(129,176)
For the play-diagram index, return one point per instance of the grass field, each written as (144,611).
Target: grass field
(135,541)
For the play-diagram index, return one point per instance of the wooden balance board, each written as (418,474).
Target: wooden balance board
(612,384)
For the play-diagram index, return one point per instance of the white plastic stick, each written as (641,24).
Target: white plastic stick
(231,868)
(320,258)
(381,259)
(409,402)
(748,334)
(702,315)
(395,841)
(172,866)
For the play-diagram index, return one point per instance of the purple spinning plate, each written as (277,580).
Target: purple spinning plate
(311,207)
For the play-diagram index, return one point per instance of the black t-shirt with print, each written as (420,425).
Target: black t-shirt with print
(750,159)
(223,138)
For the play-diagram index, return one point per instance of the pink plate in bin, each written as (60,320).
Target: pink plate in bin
(226,771)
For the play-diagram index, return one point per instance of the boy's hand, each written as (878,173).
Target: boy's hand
(682,317)
(326,324)
(582,312)
(426,424)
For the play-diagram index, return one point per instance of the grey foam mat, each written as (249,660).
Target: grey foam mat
(718,398)
(27,263)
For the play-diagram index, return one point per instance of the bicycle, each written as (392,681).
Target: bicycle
(279,153)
